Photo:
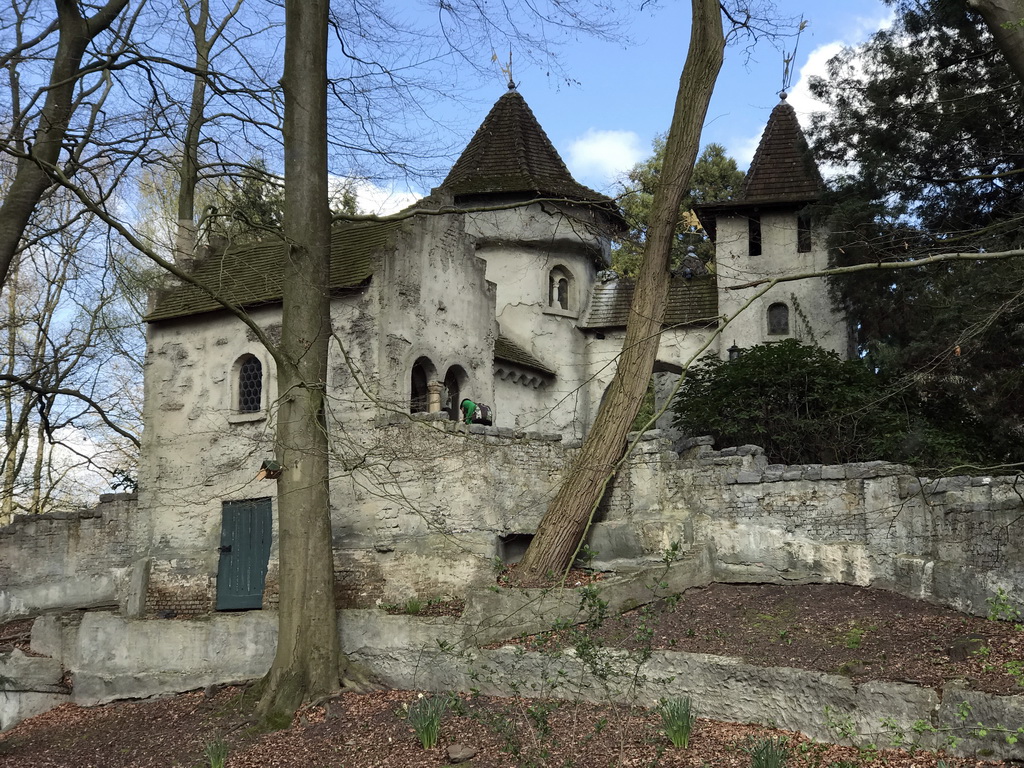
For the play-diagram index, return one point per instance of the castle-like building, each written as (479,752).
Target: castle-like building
(496,287)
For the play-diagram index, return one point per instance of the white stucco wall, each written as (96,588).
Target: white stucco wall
(812,319)
(522,247)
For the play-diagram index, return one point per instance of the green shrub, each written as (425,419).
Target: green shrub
(216,753)
(770,753)
(806,405)
(425,718)
(677,720)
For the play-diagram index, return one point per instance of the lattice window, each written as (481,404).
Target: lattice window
(250,385)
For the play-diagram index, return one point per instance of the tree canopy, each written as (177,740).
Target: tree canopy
(949,178)
(805,405)
(715,177)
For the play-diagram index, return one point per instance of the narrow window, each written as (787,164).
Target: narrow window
(559,285)
(778,320)
(803,234)
(563,293)
(754,234)
(250,385)
(419,401)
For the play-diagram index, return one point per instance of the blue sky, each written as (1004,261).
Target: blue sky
(624,91)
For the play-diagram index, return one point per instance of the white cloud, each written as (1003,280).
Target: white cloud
(372,198)
(816,65)
(599,157)
(375,198)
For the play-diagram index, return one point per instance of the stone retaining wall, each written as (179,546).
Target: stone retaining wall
(69,560)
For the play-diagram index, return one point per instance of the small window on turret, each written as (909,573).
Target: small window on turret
(754,234)
(559,284)
(803,234)
(778,320)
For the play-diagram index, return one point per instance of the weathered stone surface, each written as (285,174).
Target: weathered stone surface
(460,753)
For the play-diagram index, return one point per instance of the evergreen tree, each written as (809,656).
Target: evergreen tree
(925,118)
(715,177)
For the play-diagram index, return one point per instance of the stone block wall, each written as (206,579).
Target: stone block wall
(426,523)
(951,540)
(68,560)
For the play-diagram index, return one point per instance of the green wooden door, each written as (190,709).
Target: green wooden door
(244,551)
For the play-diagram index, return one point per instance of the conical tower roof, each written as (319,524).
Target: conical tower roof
(783,169)
(510,155)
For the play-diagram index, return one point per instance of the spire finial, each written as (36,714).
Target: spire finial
(507,71)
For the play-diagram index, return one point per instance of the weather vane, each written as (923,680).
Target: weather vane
(789,59)
(507,71)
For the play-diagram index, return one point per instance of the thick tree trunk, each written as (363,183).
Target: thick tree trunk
(568,517)
(1005,20)
(31,179)
(306,663)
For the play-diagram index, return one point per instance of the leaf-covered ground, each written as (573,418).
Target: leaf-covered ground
(867,634)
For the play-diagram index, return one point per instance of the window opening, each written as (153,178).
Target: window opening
(250,385)
(754,235)
(453,381)
(559,282)
(778,320)
(419,402)
(803,234)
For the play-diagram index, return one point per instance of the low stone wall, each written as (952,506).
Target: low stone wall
(428,523)
(109,657)
(68,560)
(950,540)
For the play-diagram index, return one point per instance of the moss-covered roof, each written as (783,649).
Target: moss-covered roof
(692,301)
(507,350)
(510,154)
(250,275)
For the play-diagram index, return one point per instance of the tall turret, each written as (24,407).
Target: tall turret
(544,238)
(768,231)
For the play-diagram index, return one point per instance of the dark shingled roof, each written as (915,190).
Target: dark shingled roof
(692,301)
(249,276)
(783,169)
(507,350)
(511,154)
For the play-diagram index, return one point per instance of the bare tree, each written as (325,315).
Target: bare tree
(569,514)
(75,33)
(306,662)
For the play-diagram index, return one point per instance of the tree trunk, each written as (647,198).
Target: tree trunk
(185,234)
(568,516)
(306,663)
(1005,20)
(31,179)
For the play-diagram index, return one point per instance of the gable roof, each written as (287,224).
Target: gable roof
(510,154)
(783,169)
(691,301)
(250,275)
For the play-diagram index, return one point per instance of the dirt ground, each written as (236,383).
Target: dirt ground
(867,634)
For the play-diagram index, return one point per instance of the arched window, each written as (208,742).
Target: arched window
(250,384)
(559,285)
(454,384)
(419,401)
(778,319)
